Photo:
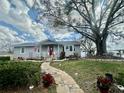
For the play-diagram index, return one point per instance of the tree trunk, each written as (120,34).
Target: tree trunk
(101,46)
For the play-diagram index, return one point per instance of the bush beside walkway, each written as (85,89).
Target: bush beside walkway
(15,74)
(16,77)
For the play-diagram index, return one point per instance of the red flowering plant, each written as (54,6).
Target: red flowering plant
(47,80)
(103,84)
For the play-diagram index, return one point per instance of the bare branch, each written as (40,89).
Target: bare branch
(115,24)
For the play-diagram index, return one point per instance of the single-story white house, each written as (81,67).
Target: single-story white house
(46,48)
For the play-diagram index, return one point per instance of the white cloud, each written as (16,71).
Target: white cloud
(4,6)
(30,2)
(68,36)
(18,16)
(8,37)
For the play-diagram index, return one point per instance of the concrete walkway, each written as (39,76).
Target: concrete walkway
(65,83)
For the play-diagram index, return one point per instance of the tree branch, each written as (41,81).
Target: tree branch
(115,24)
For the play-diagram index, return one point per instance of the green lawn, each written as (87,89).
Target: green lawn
(18,72)
(88,71)
(52,89)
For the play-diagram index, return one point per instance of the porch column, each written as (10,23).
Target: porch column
(58,54)
(48,48)
(41,55)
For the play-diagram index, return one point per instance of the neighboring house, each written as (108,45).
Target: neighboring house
(118,52)
(46,48)
(117,49)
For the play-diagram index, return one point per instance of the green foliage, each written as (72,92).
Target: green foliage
(15,74)
(4,58)
(120,79)
(88,71)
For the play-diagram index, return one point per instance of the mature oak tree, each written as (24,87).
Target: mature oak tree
(94,19)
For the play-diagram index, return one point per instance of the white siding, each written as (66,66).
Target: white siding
(29,52)
(57,51)
(67,50)
(77,50)
(44,51)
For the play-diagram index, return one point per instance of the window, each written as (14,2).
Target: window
(22,50)
(70,48)
(66,47)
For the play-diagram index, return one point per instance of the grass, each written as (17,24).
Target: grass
(88,71)
(37,89)
(52,89)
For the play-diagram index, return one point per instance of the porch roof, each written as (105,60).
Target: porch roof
(69,42)
(48,42)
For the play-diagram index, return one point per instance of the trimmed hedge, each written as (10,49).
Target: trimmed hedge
(19,75)
(4,58)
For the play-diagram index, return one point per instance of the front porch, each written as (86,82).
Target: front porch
(50,50)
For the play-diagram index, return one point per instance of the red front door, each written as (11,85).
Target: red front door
(50,50)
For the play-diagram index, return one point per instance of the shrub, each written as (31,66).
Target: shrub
(120,79)
(62,55)
(103,83)
(4,58)
(17,75)
(75,56)
(48,80)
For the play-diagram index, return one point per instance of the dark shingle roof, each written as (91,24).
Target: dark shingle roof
(48,42)
(69,42)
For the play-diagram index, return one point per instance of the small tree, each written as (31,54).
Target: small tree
(88,46)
